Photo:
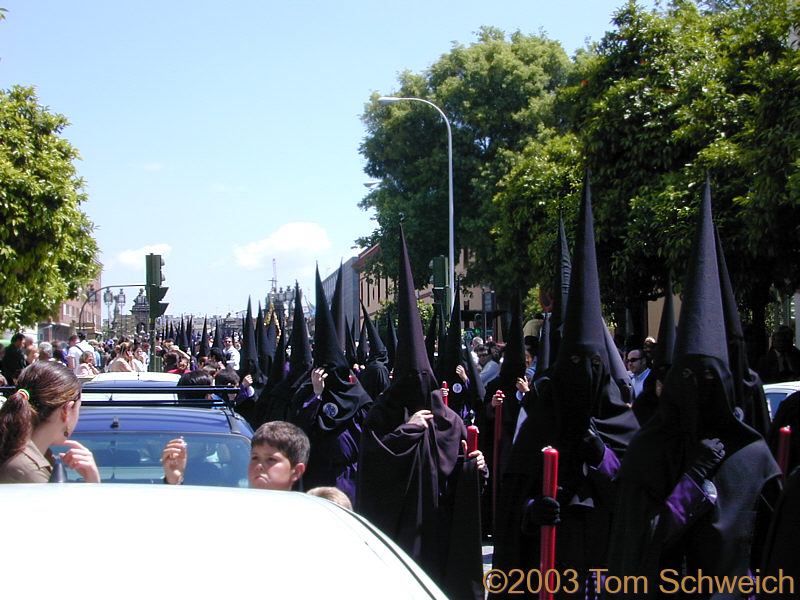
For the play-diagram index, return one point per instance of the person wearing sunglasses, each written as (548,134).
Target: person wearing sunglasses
(637,366)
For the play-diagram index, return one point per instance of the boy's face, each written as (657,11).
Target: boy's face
(269,469)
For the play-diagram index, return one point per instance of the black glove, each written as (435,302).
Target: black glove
(591,449)
(542,510)
(707,455)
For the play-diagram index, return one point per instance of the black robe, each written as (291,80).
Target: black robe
(781,552)
(415,485)
(664,519)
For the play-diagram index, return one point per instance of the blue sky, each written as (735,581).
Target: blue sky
(224,135)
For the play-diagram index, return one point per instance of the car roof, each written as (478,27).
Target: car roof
(143,540)
(159,418)
(784,386)
(106,379)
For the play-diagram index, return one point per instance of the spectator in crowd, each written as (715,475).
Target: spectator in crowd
(278,457)
(123,361)
(332,494)
(231,354)
(638,369)
(45,351)
(43,412)
(87,368)
(74,353)
(488,362)
(782,361)
(14,359)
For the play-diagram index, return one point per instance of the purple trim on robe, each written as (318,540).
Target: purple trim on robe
(686,502)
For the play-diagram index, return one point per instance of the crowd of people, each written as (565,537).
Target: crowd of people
(666,452)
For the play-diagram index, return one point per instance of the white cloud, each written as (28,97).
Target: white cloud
(294,245)
(134,258)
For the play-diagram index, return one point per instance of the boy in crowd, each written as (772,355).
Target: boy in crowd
(278,456)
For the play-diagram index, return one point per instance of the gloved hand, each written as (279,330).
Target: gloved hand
(542,510)
(707,455)
(591,449)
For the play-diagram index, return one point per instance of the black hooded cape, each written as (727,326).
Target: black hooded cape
(413,481)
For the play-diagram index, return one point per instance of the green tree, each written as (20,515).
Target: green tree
(46,246)
(493,92)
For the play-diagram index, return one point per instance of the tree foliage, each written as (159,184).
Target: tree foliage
(46,248)
(667,97)
(493,92)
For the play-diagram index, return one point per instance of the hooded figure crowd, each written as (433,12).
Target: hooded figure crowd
(656,487)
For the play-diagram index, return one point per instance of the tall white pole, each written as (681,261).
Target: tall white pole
(451,226)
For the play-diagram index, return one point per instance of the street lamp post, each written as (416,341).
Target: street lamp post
(385,100)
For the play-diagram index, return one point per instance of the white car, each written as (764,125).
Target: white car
(777,393)
(148,541)
(123,379)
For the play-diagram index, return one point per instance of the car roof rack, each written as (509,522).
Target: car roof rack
(220,395)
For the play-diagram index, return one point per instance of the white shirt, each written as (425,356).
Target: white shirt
(638,382)
(232,357)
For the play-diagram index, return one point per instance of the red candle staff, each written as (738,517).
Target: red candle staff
(498,431)
(547,549)
(784,435)
(472,439)
(445,393)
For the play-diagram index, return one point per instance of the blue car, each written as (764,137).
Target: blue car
(127,432)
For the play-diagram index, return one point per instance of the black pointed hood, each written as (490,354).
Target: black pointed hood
(414,388)
(361,351)
(701,328)
(277,371)
(665,344)
(375,376)
(391,339)
(349,344)
(337,308)
(272,327)
(411,357)
(513,365)
(697,398)
(582,375)
(328,351)
(217,338)
(204,347)
(248,356)
(583,325)
(462,398)
(431,338)
(300,361)
(543,352)
(377,349)
(264,361)
(748,393)
(561,293)
(342,396)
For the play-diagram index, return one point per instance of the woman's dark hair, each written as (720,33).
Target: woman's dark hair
(194,379)
(171,360)
(49,385)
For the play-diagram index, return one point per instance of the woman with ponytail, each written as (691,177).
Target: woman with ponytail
(42,412)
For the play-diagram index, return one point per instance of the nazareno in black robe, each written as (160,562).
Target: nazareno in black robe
(414,482)
(578,394)
(665,518)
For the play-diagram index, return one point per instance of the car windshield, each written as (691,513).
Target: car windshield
(135,457)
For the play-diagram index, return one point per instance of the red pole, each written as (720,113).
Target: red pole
(784,435)
(472,439)
(446,393)
(498,431)
(548,535)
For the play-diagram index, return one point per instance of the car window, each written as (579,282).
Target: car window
(775,399)
(135,457)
